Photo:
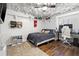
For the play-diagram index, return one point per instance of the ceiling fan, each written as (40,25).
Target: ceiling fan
(45,5)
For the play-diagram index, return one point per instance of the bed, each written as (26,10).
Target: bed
(41,37)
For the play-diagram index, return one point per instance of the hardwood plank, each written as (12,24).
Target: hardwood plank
(57,48)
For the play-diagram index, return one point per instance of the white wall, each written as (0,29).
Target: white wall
(50,23)
(71,18)
(28,27)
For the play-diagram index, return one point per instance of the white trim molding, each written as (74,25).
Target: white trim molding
(66,14)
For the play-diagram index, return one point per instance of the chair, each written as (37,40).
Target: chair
(66,35)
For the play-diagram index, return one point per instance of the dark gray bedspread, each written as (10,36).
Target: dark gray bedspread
(39,37)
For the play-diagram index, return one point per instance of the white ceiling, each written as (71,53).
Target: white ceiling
(37,9)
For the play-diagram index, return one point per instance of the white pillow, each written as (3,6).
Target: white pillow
(47,32)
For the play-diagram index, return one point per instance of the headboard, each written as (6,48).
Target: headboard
(61,26)
(47,29)
(51,30)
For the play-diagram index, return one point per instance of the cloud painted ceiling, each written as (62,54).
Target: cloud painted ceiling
(38,9)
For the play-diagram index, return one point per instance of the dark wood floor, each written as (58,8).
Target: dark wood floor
(57,48)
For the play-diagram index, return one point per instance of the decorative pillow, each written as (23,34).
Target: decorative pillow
(42,31)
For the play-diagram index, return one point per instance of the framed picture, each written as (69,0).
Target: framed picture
(12,24)
(19,24)
(15,24)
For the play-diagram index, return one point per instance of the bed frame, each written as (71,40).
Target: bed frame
(37,44)
(42,41)
(45,41)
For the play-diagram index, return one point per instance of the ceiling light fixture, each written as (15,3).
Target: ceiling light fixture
(44,8)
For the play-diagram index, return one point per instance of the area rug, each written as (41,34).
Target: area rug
(24,49)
